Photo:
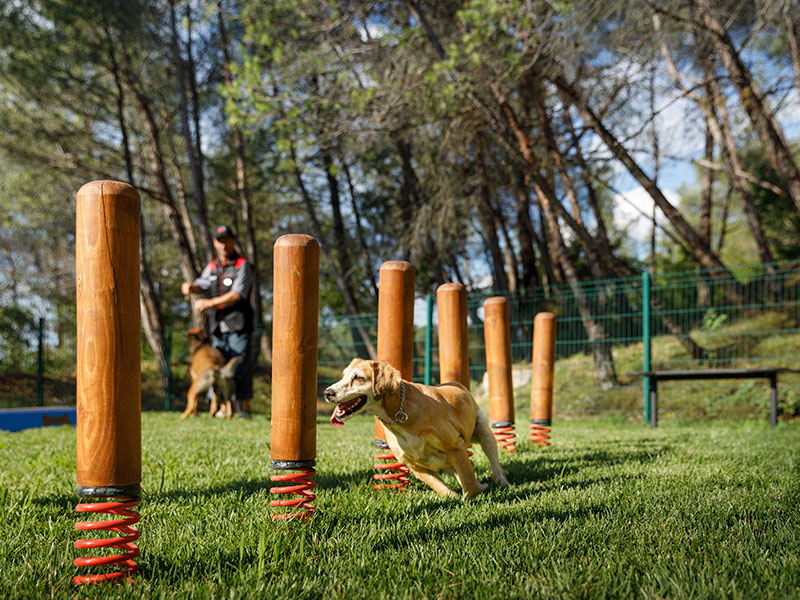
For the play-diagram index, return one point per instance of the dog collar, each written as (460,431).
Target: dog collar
(400,416)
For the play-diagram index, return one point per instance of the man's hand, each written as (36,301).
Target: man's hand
(202,304)
(186,288)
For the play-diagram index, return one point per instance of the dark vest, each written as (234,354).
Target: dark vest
(238,316)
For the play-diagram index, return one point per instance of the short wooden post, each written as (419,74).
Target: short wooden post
(497,334)
(109,460)
(295,315)
(109,455)
(396,347)
(544,344)
(451,299)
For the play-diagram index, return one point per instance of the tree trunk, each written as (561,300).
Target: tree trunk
(526,235)
(766,127)
(558,162)
(605,250)
(245,201)
(198,189)
(598,338)
(152,321)
(793,36)
(485,212)
(721,129)
(186,259)
(706,195)
(701,251)
(718,126)
(202,213)
(362,240)
(316,228)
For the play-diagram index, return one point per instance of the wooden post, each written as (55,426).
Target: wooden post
(295,322)
(294,352)
(396,347)
(497,334)
(544,344)
(451,299)
(109,454)
(395,322)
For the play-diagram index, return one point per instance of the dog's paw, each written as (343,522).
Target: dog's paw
(500,480)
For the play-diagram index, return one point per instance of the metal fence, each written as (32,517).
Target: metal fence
(739,317)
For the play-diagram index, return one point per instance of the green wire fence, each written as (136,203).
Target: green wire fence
(743,316)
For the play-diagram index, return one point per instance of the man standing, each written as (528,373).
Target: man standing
(226,283)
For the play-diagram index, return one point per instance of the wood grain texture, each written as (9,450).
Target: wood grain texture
(451,299)
(396,320)
(544,345)
(294,348)
(108,351)
(497,334)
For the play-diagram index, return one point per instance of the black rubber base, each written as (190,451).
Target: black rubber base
(381,444)
(541,422)
(110,491)
(501,424)
(283,465)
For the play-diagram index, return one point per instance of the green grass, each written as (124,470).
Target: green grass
(611,509)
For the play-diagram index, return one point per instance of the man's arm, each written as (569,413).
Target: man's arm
(239,289)
(199,285)
(225,299)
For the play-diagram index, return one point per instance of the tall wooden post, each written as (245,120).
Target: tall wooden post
(544,344)
(497,334)
(396,347)
(451,299)
(109,451)
(295,315)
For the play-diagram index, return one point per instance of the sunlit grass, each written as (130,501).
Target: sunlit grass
(611,509)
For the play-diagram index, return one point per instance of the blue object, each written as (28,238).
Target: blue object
(17,419)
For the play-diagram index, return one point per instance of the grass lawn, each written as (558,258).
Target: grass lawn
(693,510)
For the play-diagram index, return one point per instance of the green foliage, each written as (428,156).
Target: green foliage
(713,320)
(18,331)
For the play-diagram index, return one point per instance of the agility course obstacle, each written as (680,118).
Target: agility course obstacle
(109,454)
(294,372)
(497,335)
(544,345)
(396,347)
(451,299)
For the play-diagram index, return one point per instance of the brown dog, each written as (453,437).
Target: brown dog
(209,370)
(427,427)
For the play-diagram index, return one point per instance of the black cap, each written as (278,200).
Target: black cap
(221,231)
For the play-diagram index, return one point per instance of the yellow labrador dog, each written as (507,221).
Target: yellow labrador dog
(427,427)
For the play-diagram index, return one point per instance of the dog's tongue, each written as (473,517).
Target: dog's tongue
(335,418)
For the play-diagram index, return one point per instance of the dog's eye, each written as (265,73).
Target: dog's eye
(359,378)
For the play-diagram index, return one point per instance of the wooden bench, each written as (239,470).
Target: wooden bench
(770,373)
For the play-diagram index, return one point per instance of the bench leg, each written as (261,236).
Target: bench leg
(773,401)
(653,403)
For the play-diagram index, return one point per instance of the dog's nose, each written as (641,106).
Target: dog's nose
(330,395)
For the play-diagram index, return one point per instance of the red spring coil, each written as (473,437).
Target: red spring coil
(400,473)
(505,438)
(303,484)
(540,435)
(124,542)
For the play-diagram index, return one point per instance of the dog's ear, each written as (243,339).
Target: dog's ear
(385,378)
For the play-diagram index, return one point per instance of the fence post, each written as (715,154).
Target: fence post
(429,341)
(168,358)
(40,366)
(646,342)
